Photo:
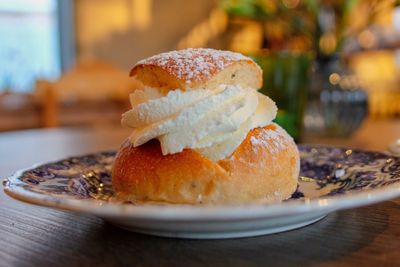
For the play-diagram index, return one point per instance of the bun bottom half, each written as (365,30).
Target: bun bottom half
(264,168)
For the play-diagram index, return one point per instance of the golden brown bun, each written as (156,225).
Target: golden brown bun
(197,68)
(263,168)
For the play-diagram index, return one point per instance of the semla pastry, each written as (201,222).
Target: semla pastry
(202,134)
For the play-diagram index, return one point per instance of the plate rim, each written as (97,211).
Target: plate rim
(249,211)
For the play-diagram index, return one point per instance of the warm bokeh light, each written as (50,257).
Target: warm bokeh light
(334,78)
(328,43)
(367,39)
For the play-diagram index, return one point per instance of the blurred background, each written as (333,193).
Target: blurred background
(332,66)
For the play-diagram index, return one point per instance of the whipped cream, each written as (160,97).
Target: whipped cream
(212,121)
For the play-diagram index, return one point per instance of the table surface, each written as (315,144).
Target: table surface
(37,236)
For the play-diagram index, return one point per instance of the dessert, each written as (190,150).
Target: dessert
(202,134)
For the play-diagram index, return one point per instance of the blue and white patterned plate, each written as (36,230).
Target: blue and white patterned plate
(331,179)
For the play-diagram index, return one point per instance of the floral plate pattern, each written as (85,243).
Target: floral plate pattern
(330,179)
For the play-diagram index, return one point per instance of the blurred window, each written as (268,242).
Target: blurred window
(29,46)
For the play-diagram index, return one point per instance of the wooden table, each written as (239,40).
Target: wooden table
(37,236)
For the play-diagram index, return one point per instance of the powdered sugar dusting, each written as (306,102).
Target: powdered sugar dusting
(194,64)
(272,139)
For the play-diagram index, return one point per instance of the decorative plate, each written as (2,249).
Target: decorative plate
(330,179)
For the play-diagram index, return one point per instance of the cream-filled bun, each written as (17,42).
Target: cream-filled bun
(202,134)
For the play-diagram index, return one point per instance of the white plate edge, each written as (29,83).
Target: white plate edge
(251,211)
